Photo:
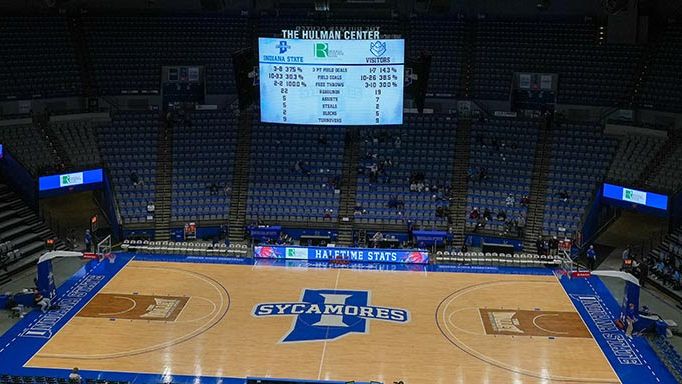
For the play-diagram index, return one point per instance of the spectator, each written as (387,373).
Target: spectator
(480,224)
(525,201)
(472,173)
(482,174)
(553,245)
(87,239)
(502,215)
(328,214)
(474,214)
(373,172)
(213,188)
(135,179)
(591,258)
(520,225)
(41,301)
(487,215)
(630,319)
(509,201)
(302,167)
(563,195)
(392,202)
(75,377)
(677,279)
(377,238)
(643,274)
(441,212)
(626,257)
(538,245)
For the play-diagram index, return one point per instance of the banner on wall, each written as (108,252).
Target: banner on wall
(371,255)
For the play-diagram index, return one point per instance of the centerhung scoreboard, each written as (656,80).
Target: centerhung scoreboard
(331,82)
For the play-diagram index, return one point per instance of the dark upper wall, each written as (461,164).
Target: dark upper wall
(527,8)
(502,8)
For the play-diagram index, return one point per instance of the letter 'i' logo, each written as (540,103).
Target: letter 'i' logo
(327,314)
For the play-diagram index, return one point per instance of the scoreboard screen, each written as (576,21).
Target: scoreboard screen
(331,82)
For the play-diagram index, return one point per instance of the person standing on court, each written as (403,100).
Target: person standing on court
(626,257)
(630,318)
(87,239)
(43,302)
(591,258)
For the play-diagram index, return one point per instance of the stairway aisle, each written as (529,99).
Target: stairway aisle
(654,167)
(164,182)
(240,179)
(349,187)
(538,186)
(460,182)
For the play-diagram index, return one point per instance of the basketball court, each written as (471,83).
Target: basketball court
(191,319)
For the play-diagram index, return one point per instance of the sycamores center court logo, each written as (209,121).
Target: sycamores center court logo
(328,314)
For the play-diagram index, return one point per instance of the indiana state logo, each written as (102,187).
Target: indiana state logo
(328,314)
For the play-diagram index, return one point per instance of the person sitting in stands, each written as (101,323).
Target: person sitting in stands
(328,214)
(377,238)
(677,279)
(525,201)
(475,214)
(302,167)
(509,201)
(213,188)
(480,223)
(472,173)
(487,215)
(502,215)
(563,195)
(135,179)
(395,202)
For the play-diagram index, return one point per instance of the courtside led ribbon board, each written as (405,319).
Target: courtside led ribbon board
(371,255)
(635,196)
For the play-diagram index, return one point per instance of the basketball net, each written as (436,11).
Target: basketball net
(567,265)
(104,249)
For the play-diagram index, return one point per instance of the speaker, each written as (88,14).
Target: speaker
(244,62)
(421,67)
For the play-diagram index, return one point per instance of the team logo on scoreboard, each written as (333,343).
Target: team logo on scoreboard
(377,48)
(328,314)
(322,51)
(283,46)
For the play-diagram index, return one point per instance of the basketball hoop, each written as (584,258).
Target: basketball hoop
(104,250)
